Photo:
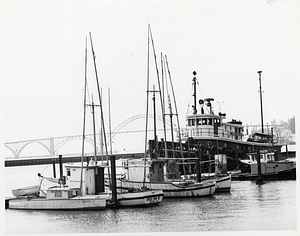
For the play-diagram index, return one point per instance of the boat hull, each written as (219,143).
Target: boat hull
(280,175)
(143,198)
(42,203)
(173,189)
(223,183)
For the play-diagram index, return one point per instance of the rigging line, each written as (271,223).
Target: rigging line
(45,168)
(147,89)
(164,75)
(171,114)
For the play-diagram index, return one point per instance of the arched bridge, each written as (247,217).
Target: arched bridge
(53,144)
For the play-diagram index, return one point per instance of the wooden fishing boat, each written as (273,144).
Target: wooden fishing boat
(270,169)
(176,188)
(60,198)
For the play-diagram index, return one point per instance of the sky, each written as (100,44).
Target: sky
(42,61)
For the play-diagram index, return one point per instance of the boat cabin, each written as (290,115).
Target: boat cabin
(207,124)
(92,177)
(62,192)
(134,169)
(264,157)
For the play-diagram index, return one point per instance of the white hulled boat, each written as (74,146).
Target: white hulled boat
(132,172)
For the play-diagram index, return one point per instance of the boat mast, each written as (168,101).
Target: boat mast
(171,119)
(163,95)
(99,94)
(109,122)
(176,110)
(159,86)
(194,94)
(101,110)
(147,104)
(84,112)
(261,106)
(154,123)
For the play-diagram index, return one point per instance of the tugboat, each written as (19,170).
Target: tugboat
(207,133)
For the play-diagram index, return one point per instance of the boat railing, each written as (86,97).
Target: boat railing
(209,132)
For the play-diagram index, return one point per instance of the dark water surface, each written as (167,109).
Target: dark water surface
(248,207)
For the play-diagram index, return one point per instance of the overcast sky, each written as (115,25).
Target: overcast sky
(225,42)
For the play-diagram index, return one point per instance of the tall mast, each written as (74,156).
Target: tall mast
(171,119)
(261,106)
(101,110)
(154,122)
(100,99)
(163,95)
(194,94)
(84,111)
(146,128)
(176,110)
(159,86)
(109,121)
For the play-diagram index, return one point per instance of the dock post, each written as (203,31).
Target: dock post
(53,163)
(259,180)
(114,201)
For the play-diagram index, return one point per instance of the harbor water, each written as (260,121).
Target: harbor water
(248,207)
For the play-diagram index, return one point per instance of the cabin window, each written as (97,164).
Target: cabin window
(191,122)
(58,194)
(199,121)
(209,121)
(68,172)
(204,122)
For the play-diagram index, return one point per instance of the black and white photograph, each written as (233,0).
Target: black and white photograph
(170,117)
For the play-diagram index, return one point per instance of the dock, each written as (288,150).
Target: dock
(66,159)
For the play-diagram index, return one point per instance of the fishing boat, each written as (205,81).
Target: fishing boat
(95,184)
(132,178)
(59,197)
(264,163)
(85,189)
(268,166)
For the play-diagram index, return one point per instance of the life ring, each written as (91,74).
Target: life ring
(203,148)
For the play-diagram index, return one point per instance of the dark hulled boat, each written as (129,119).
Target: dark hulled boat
(207,134)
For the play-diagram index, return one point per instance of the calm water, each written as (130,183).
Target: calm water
(248,207)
